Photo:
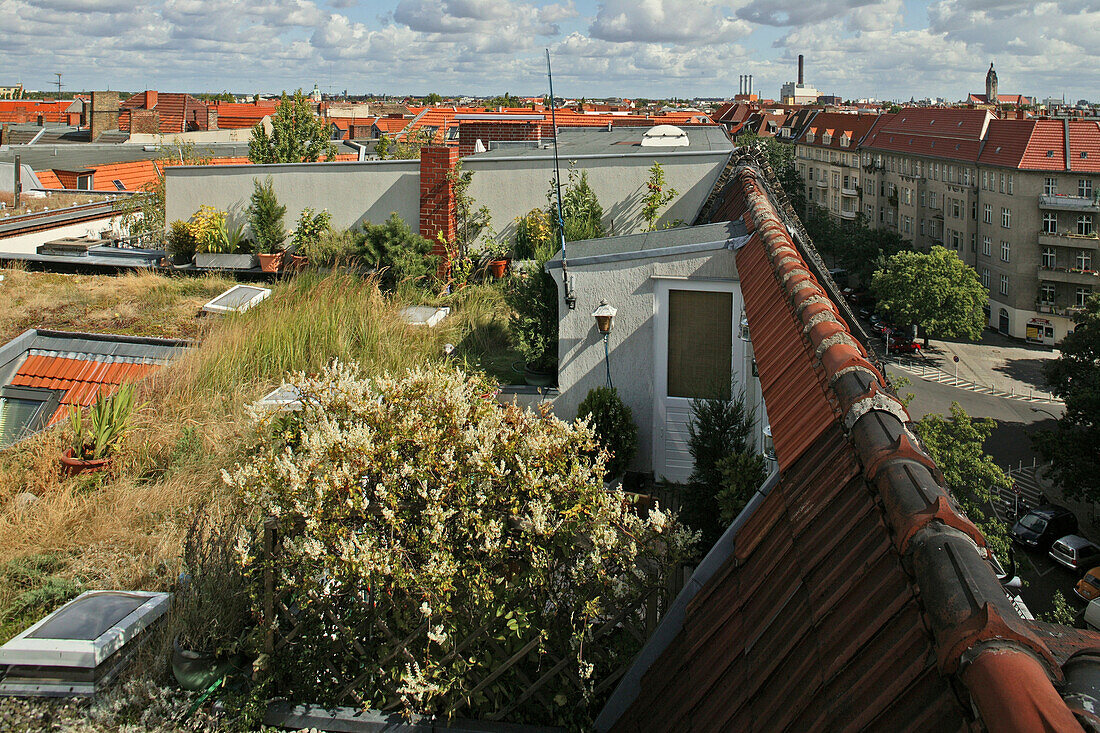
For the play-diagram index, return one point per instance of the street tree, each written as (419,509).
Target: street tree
(297,135)
(780,157)
(1075,377)
(956,444)
(937,291)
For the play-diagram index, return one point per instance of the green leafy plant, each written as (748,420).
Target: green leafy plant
(312,225)
(396,251)
(1060,612)
(297,135)
(328,248)
(582,213)
(108,419)
(534,236)
(658,195)
(613,422)
(471,222)
(208,227)
(180,241)
(534,300)
(265,216)
(477,538)
(742,474)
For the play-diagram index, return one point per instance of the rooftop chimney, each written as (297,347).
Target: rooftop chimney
(800,69)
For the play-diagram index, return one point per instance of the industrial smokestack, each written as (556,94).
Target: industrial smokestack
(800,69)
(750,84)
(741,84)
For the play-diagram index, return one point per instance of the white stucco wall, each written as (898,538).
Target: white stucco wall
(352,192)
(511,187)
(28,243)
(630,286)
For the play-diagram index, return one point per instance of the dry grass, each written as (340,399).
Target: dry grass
(52,201)
(125,529)
(138,304)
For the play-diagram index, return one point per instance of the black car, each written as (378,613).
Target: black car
(1040,527)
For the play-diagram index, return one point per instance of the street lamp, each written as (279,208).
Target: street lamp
(605,321)
(1045,412)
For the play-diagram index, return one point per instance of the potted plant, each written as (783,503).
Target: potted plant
(613,423)
(265,216)
(534,300)
(180,242)
(95,439)
(499,255)
(218,244)
(312,227)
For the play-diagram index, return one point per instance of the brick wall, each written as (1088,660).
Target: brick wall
(144,121)
(495,130)
(437,204)
(104,113)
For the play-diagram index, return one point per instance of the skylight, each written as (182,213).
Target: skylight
(423,315)
(237,299)
(665,136)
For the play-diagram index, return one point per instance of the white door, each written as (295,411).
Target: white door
(696,355)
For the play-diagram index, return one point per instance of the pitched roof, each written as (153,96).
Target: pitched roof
(175,110)
(851,593)
(836,124)
(82,377)
(955,134)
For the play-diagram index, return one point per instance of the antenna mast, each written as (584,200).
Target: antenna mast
(58,75)
(570,295)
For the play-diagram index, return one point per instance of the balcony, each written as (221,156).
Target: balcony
(1070,276)
(1043,306)
(848,215)
(1061,202)
(822,183)
(849,191)
(1075,241)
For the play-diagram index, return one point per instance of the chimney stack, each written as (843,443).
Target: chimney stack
(750,84)
(800,82)
(740,85)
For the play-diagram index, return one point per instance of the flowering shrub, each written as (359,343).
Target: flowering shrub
(440,553)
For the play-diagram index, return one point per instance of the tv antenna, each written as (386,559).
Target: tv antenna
(58,75)
(570,293)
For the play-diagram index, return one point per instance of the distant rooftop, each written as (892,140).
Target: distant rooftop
(620,140)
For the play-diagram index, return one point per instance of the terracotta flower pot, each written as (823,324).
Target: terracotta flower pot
(498,268)
(298,263)
(271,262)
(73,466)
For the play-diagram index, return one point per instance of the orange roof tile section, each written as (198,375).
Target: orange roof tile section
(82,379)
(48,179)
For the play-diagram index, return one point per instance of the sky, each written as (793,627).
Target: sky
(886,49)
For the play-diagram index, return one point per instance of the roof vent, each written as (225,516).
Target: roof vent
(998,149)
(665,136)
(1050,153)
(1084,153)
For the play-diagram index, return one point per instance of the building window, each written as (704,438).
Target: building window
(973,242)
(987,246)
(985,277)
(836,180)
(987,214)
(1084,259)
(1004,251)
(1050,223)
(974,210)
(1009,184)
(932,198)
(1047,293)
(1084,225)
(1084,188)
(956,240)
(924,199)
(1004,284)
(1049,256)
(956,208)
(1002,183)
(985,180)
(1050,186)
(1080,296)
(1006,218)
(922,227)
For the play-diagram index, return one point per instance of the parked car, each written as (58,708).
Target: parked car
(1074,552)
(1042,525)
(1088,587)
(1092,614)
(904,347)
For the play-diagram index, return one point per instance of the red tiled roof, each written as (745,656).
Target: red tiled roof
(81,378)
(955,134)
(855,126)
(48,179)
(133,175)
(175,110)
(235,116)
(852,594)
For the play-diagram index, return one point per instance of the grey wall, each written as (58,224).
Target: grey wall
(352,192)
(511,187)
(630,286)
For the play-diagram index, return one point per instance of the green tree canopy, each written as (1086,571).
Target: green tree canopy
(780,157)
(297,135)
(936,291)
(1075,377)
(956,444)
(852,245)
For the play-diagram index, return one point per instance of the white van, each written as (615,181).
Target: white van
(1092,614)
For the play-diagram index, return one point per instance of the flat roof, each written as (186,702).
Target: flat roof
(661,243)
(618,140)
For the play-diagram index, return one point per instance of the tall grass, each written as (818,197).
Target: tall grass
(126,529)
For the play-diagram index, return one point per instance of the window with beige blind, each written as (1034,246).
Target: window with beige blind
(700,344)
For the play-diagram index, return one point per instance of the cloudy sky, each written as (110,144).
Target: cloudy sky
(891,49)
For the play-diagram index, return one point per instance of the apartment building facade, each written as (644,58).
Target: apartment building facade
(827,157)
(1015,199)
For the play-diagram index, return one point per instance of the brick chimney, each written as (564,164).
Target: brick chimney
(150,99)
(104,114)
(437,202)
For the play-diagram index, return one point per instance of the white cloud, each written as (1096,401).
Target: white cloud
(656,21)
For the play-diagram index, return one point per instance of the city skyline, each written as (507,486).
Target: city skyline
(887,49)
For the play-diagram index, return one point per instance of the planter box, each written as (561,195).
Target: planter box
(211,261)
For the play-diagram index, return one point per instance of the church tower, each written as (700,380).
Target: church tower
(991,85)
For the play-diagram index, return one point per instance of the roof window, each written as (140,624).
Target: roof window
(1084,153)
(119,185)
(665,136)
(1050,153)
(237,299)
(25,410)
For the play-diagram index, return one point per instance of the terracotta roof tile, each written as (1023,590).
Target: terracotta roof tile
(82,379)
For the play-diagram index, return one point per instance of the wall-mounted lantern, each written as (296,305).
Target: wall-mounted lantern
(605,321)
(768,449)
(744,331)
